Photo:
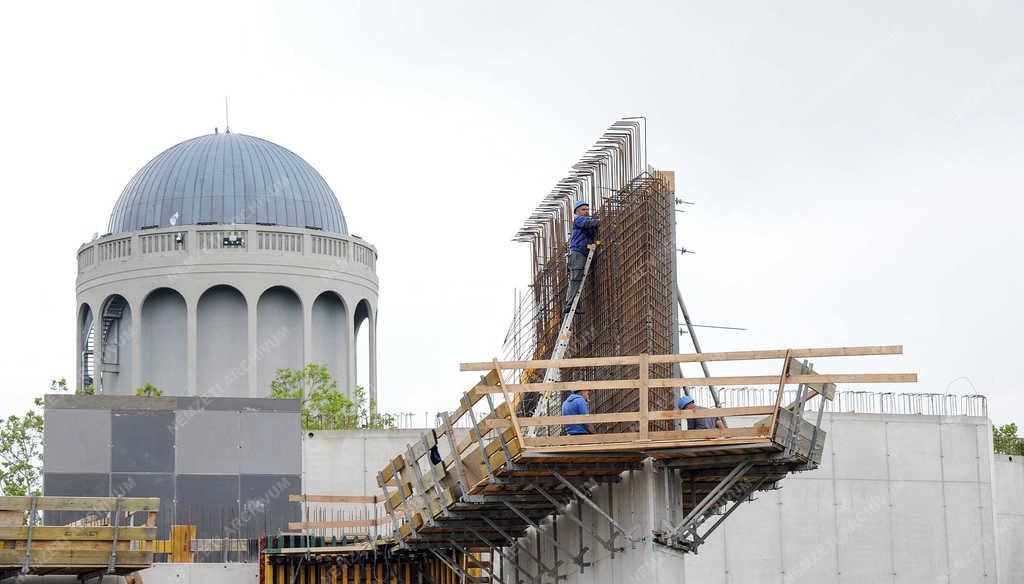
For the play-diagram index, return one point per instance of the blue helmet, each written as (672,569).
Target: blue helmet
(578,204)
(685,401)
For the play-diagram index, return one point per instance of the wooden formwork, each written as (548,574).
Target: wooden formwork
(456,500)
(496,482)
(110,540)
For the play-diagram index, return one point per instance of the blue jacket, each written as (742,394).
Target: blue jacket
(584,229)
(575,405)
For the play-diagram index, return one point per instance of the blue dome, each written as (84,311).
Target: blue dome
(224,179)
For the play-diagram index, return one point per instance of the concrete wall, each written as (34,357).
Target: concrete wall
(346,462)
(222,336)
(1009,490)
(897,499)
(163,326)
(201,574)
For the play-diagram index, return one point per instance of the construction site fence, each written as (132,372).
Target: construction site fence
(398,421)
(860,402)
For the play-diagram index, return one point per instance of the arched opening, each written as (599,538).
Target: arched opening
(361,316)
(115,363)
(222,368)
(330,338)
(86,364)
(278,335)
(164,355)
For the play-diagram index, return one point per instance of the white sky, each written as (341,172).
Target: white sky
(857,170)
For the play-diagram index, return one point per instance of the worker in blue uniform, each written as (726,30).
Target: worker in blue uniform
(686,403)
(576,405)
(584,230)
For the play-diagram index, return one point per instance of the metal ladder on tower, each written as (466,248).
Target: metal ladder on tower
(553,374)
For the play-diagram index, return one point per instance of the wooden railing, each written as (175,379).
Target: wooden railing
(108,539)
(792,372)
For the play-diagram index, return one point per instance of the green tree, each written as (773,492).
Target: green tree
(148,390)
(1005,440)
(323,406)
(21,450)
(21,445)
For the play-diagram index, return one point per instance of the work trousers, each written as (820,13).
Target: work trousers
(576,262)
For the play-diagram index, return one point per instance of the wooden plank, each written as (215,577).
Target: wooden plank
(705,381)
(181,543)
(53,558)
(646,447)
(337,549)
(332,499)
(711,413)
(128,504)
(645,425)
(782,387)
(828,390)
(633,436)
(635,416)
(556,420)
(508,400)
(388,472)
(77,533)
(688,357)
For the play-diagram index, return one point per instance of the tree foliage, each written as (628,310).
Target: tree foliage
(148,390)
(1005,440)
(21,450)
(323,406)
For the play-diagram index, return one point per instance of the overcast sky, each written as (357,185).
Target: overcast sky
(857,170)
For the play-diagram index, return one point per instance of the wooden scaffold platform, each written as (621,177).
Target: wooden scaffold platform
(465,502)
(109,539)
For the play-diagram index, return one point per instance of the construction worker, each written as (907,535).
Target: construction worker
(584,229)
(686,403)
(576,405)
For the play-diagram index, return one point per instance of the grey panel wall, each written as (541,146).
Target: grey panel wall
(163,336)
(278,312)
(76,441)
(142,442)
(330,337)
(223,337)
(221,464)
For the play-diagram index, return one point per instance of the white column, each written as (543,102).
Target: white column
(191,345)
(137,348)
(254,366)
(307,331)
(97,349)
(79,343)
(350,348)
(371,321)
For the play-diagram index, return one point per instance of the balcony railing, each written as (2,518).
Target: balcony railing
(206,239)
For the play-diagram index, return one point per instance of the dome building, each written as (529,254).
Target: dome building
(227,257)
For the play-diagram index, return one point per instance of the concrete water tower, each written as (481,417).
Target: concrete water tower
(227,257)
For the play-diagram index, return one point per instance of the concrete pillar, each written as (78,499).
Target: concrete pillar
(371,321)
(250,306)
(136,377)
(97,348)
(350,347)
(80,341)
(307,330)
(191,345)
